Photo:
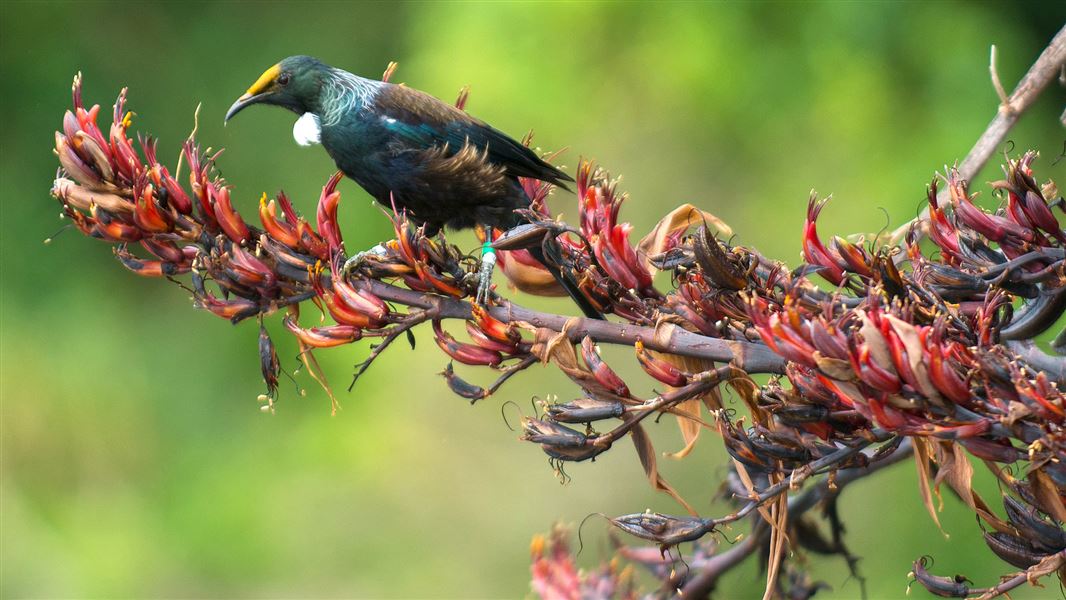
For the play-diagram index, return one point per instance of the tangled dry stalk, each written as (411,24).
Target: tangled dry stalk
(914,351)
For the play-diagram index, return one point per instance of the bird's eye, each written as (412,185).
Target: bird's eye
(283,79)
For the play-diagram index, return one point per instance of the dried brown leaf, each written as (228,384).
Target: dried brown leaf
(646,452)
(688,412)
(745,478)
(779,525)
(552,346)
(690,429)
(679,219)
(921,459)
(834,367)
(1047,494)
(955,468)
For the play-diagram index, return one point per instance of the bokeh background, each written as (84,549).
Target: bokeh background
(135,460)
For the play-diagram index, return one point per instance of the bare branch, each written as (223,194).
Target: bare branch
(752,357)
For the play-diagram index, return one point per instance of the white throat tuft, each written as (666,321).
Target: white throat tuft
(307,131)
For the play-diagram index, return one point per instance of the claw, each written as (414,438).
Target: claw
(356,261)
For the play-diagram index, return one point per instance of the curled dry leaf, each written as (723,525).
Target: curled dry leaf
(672,225)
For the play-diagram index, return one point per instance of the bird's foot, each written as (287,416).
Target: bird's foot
(484,284)
(356,261)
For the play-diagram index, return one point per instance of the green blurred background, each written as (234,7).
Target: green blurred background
(135,461)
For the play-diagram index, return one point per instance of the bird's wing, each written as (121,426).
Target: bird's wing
(426,122)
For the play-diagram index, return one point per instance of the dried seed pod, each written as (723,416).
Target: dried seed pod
(945,587)
(550,433)
(461,387)
(1012,549)
(268,360)
(1041,533)
(575,453)
(528,235)
(714,262)
(584,410)
(663,529)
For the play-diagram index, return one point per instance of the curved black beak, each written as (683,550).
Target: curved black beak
(242,102)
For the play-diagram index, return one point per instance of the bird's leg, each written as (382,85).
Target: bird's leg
(356,261)
(488,262)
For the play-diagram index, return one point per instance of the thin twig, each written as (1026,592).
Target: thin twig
(1043,71)
(1055,562)
(401,328)
(996,83)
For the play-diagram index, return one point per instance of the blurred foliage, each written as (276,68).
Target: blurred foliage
(135,461)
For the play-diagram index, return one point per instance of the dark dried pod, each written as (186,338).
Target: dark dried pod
(1012,549)
(715,263)
(945,587)
(552,434)
(673,258)
(977,251)
(793,414)
(575,453)
(740,447)
(529,235)
(461,388)
(1041,533)
(996,451)
(889,276)
(663,529)
(778,445)
(268,360)
(585,410)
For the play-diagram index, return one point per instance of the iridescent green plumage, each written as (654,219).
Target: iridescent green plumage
(405,147)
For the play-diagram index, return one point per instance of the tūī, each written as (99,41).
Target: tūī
(401,145)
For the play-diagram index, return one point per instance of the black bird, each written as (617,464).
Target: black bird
(446,168)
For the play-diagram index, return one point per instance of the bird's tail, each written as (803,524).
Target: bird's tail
(550,254)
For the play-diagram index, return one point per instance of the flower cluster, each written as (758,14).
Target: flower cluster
(905,351)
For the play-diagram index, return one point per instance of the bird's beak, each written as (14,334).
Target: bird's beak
(259,90)
(242,102)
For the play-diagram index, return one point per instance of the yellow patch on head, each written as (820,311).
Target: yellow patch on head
(264,80)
